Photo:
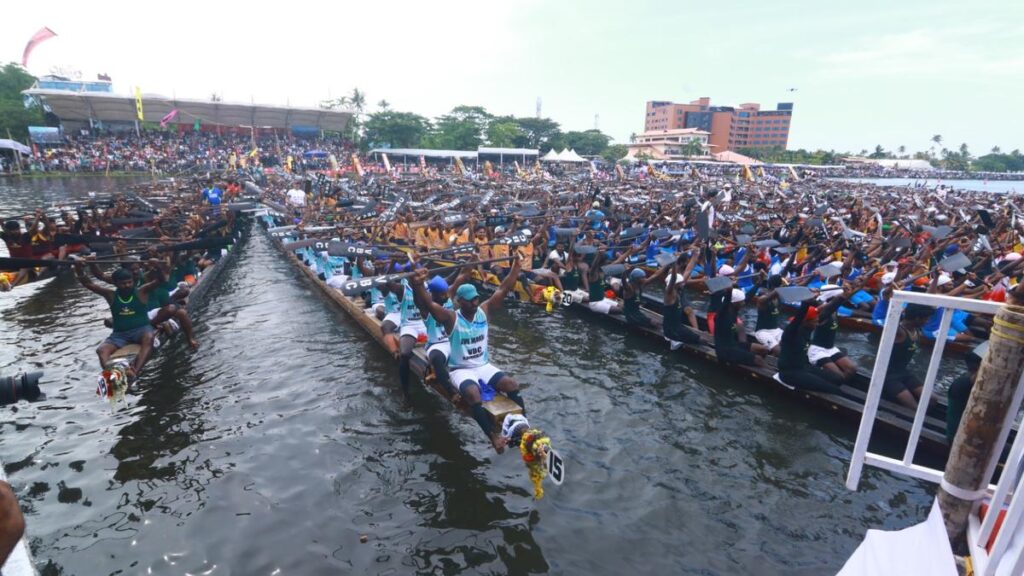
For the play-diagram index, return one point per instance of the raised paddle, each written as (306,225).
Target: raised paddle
(353,287)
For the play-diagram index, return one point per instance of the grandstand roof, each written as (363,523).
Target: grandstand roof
(118,108)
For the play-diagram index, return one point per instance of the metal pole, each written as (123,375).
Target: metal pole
(965,481)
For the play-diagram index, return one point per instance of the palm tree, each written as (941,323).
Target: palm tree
(937,139)
(902,150)
(384,104)
(358,99)
(632,138)
(996,150)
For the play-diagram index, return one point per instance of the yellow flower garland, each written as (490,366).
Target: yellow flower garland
(534,448)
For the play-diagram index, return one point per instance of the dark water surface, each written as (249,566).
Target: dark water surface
(283,440)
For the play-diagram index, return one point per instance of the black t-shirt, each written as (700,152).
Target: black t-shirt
(959,393)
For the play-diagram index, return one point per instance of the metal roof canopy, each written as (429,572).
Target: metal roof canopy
(112,107)
(425,152)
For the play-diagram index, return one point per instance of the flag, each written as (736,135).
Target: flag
(387,163)
(167,119)
(254,152)
(103,77)
(44,33)
(357,165)
(138,103)
(195,126)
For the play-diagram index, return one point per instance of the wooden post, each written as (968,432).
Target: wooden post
(969,466)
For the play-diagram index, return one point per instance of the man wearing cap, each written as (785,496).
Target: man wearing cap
(731,344)
(469,362)
(823,352)
(438,346)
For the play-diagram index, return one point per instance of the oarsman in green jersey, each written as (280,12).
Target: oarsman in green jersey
(130,309)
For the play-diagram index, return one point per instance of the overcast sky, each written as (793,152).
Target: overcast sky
(866,72)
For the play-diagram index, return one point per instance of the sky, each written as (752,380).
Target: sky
(865,72)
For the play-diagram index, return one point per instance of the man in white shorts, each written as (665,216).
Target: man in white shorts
(469,363)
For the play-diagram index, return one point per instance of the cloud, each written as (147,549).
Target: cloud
(969,51)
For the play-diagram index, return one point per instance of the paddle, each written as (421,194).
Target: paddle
(794,293)
(353,287)
(14,264)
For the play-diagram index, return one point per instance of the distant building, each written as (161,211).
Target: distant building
(730,128)
(890,163)
(53,82)
(675,144)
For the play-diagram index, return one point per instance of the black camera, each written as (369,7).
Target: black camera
(23,387)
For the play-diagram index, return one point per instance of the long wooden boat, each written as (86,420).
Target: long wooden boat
(111,382)
(356,308)
(892,418)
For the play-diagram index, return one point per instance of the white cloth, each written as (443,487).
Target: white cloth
(445,347)
(337,281)
(296,197)
(511,423)
(475,374)
(414,329)
(816,353)
(602,307)
(394,317)
(769,337)
(920,550)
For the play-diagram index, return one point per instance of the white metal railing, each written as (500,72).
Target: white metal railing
(1009,544)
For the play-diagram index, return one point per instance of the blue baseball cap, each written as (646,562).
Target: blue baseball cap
(437,284)
(466,292)
(637,274)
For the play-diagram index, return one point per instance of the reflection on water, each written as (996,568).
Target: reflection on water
(283,441)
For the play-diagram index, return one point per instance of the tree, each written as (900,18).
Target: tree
(692,147)
(357,99)
(586,143)
(505,133)
(392,129)
(632,138)
(937,139)
(461,129)
(384,104)
(902,150)
(996,150)
(878,153)
(614,153)
(539,132)
(14,115)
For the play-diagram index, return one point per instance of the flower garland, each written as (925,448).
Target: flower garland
(534,447)
(113,383)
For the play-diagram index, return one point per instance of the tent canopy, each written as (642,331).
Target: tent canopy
(571,156)
(425,152)
(551,156)
(118,108)
(6,144)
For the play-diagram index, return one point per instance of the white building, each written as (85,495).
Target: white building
(670,144)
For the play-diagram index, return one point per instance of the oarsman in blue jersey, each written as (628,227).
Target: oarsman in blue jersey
(213,196)
(469,362)
(438,346)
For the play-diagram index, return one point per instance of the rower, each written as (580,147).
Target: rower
(731,344)
(676,306)
(767,330)
(469,363)
(901,384)
(411,329)
(795,371)
(438,347)
(19,245)
(130,311)
(823,352)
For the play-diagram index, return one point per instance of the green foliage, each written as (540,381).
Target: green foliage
(586,143)
(779,155)
(540,132)
(14,117)
(879,153)
(461,129)
(395,129)
(614,153)
(505,133)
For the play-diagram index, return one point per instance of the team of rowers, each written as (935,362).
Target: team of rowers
(742,244)
(145,288)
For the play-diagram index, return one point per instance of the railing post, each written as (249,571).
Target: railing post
(929,385)
(867,421)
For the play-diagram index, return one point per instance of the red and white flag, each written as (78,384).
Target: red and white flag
(44,33)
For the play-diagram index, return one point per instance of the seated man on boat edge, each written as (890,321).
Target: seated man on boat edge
(469,365)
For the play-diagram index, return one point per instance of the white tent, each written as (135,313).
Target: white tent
(6,144)
(571,156)
(551,156)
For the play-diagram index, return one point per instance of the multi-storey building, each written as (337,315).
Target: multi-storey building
(730,128)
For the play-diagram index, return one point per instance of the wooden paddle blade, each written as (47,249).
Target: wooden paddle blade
(584,249)
(718,284)
(955,262)
(766,243)
(664,258)
(829,270)
(613,269)
(354,287)
(794,293)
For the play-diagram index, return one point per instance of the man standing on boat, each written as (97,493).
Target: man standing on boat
(469,361)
